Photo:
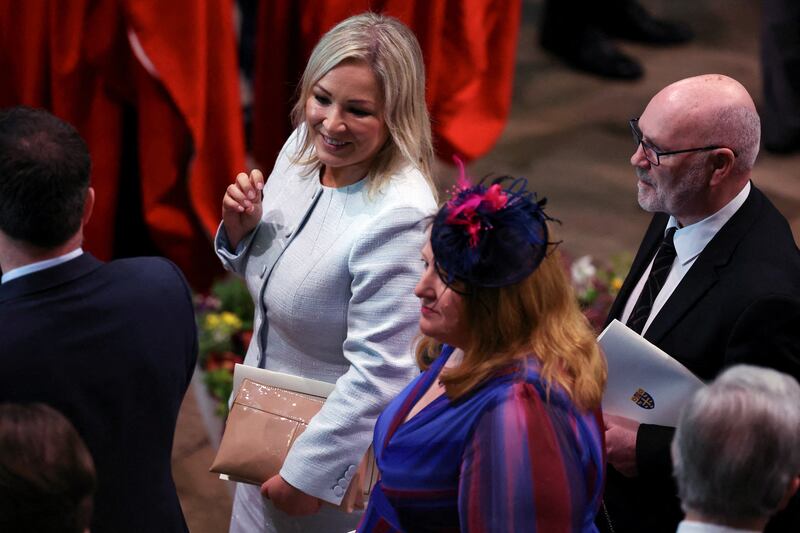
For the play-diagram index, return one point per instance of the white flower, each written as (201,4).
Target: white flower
(582,271)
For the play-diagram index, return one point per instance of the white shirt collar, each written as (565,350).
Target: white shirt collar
(688,526)
(692,239)
(30,268)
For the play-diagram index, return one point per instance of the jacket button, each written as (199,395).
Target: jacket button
(338,491)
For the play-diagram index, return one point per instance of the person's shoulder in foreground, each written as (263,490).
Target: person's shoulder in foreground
(111,345)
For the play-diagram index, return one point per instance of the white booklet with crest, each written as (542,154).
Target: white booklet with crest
(644,383)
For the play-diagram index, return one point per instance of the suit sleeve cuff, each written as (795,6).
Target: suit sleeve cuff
(223,246)
(330,492)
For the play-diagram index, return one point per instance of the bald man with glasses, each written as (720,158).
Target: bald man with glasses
(715,282)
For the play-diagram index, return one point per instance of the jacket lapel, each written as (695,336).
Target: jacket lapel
(269,265)
(50,277)
(700,278)
(706,270)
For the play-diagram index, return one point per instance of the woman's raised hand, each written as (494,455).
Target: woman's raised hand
(241,206)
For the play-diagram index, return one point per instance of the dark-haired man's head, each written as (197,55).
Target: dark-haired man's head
(47,475)
(44,178)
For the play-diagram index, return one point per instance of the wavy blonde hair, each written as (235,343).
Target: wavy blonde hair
(539,316)
(393,54)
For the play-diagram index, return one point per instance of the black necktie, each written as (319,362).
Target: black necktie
(662,264)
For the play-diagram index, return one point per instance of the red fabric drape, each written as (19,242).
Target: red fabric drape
(48,62)
(469,48)
(75,59)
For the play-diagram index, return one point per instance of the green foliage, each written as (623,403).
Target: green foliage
(220,385)
(224,324)
(233,296)
(217,332)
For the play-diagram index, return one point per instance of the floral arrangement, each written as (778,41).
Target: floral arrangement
(597,284)
(225,327)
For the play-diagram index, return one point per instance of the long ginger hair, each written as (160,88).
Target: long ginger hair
(537,316)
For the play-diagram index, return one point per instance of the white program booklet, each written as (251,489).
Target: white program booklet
(644,383)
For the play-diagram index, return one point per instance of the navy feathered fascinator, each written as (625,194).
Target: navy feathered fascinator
(489,236)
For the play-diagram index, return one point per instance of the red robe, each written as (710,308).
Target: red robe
(75,59)
(469,47)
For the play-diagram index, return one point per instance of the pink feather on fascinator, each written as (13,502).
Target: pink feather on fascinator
(469,209)
(489,234)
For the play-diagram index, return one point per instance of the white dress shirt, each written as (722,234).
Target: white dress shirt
(689,242)
(688,526)
(40,265)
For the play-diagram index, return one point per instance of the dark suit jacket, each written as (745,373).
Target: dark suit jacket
(113,347)
(739,303)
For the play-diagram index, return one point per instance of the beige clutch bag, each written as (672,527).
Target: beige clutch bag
(263,423)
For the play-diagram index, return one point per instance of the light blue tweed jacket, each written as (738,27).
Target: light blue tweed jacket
(332,272)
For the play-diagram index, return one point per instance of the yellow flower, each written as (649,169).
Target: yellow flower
(616,283)
(213,320)
(231,320)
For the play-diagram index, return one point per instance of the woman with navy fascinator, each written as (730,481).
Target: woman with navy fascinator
(502,430)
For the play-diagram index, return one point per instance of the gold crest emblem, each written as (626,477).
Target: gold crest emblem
(643,399)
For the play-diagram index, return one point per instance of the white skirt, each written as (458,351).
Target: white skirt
(252,513)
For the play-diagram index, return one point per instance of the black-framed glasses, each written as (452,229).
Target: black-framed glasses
(653,154)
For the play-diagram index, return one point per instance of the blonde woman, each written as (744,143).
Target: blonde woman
(502,431)
(330,257)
